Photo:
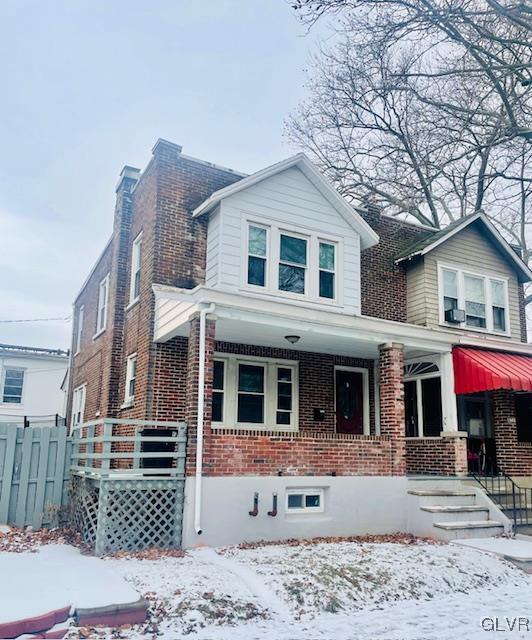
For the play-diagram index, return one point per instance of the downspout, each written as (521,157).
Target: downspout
(200,418)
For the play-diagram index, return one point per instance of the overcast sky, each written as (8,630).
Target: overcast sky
(88,86)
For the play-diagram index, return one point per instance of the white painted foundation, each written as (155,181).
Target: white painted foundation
(353,505)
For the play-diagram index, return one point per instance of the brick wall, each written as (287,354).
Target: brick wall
(231,452)
(436,456)
(513,457)
(383,283)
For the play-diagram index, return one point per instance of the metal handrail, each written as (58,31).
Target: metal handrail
(500,487)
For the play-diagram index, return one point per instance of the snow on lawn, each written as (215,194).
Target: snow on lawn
(55,577)
(319,591)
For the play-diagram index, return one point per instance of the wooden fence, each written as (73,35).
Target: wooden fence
(34,471)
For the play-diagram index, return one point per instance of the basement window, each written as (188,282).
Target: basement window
(304,500)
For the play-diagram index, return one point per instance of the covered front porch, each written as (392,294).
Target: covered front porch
(291,390)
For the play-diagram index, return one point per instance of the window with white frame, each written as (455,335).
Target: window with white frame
(131,374)
(79,329)
(483,298)
(13,385)
(134,284)
(423,404)
(326,267)
(292,262)
(258,393)
(103,300)
(257,255)
(304,500)
(78,405)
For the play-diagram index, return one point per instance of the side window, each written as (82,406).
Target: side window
(327,274)
(13,385)
(131,374)
(78,405)
(103,300)
(136,255)
(257,255)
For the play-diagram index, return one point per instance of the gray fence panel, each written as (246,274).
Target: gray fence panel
(34,471)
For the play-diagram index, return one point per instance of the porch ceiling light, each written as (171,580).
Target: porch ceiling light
(292,339)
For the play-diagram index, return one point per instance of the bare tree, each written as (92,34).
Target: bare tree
(426,105)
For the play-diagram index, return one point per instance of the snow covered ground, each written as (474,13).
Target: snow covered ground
(340,590)
(55,577)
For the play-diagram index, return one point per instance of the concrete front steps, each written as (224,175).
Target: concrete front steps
(446,510)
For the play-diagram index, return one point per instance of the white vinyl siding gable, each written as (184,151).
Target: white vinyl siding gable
(285,203)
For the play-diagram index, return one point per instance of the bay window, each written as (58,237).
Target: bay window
(292,262)
(254,393)
(483,298)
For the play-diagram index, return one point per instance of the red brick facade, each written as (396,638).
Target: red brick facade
(235,453)
(513,457)
(159,205)
(441,456)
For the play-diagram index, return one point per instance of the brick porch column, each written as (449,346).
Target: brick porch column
(513,457)
(191,413)
(392,405)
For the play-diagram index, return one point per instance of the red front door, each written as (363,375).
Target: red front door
(349,402)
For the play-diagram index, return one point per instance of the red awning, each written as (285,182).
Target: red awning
(479,370)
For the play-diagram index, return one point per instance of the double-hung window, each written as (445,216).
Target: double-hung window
(475,301)
(103,300)
(78,405)
(13,385)
(79,329)
(131,374)
(326,266)
(260,393)
(257,255)
(292,263)
(134,284)
(483,298)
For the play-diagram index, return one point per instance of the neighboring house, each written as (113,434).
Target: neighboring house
(30,385)
(313,350)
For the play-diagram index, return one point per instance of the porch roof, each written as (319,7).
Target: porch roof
(481,370)
(254,320)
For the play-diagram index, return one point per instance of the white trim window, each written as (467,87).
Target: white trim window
(103,302)
(293,274)
(292,263)
(136,256)
(483,298)
(327,270)
(304,500)
(423,399)
(257,264)
(13,385)
(79,329)
(258,393)
(78,405)
(131,375)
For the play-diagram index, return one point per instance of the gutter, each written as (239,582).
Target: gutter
(200,418)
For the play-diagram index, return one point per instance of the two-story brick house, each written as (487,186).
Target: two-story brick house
(315,351)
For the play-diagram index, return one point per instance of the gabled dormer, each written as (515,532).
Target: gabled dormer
(285,233)
(466,277)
